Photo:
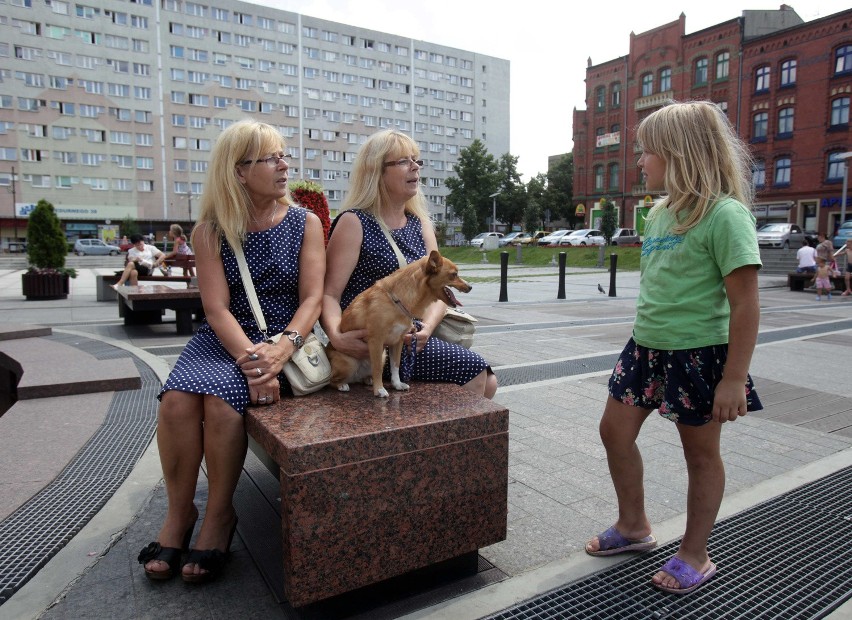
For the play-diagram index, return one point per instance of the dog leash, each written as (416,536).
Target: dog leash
(406,362)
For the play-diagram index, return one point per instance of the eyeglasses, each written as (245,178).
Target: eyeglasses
(404,163)
(273,161)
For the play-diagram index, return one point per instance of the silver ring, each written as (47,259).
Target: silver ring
(253,357)
(261,399)
(259,372)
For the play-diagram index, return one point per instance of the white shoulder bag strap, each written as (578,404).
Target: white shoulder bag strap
(396,250)
(251,293)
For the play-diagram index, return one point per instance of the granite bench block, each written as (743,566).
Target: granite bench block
(373,488)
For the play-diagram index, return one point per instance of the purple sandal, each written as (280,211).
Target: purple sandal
(612,542)
(688,578)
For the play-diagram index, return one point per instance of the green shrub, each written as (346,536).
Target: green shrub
(46,244)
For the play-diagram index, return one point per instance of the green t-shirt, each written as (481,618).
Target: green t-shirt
(682,301)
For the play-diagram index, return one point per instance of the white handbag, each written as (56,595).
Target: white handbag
(308,369)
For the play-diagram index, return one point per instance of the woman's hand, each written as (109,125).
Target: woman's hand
(351,343)
(263,361)
(420,337)
(266,393)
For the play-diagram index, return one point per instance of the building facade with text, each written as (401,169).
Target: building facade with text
(784,83)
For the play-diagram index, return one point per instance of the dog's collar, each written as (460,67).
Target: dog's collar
(400,305)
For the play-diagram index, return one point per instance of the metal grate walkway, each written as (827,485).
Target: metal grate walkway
(35,532)
(788,558)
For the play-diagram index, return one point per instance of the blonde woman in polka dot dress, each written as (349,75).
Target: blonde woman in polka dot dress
(227,365)
(385,186)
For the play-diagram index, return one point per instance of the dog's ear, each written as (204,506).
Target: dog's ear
(433,265)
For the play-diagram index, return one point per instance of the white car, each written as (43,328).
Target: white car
(780,235)
(554,237)
(478,240)
(585,236)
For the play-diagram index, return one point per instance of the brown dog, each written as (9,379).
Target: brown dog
(387,311)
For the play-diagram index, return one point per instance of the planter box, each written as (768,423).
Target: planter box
(45,285)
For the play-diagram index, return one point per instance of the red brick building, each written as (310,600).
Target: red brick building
(785,84)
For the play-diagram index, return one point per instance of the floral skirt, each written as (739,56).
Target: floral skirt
(679,384)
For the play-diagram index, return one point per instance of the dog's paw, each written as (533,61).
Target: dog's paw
(380,393)
(400,386)
(343,387)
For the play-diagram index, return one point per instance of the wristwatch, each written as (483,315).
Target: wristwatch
(295,338)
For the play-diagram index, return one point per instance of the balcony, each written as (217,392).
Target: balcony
(657,100)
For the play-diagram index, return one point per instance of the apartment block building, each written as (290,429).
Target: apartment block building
(784,83)
(109,109)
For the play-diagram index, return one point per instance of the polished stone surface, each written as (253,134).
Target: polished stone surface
(12,331)
(373,488)
(47,368)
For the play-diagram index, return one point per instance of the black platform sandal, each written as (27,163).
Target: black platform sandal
(169,555)
(210,560)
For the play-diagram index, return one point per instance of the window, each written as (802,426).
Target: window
(647,84)
(761,79)
(665,80)
(840,112)
(788,73)
(613,176)
(701,71)
(599,180)
(758,174)
(782,171)
(723,65)
(760,127)
(600,97)
(843,60)
(835,168)
(616,94)
(785,122)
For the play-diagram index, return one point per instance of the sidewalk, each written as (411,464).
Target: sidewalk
(547,354)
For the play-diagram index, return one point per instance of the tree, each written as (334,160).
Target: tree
(609,220)
(559,197)
(475,180)
(129,227)
(513,193)
(46,245)
(536,189)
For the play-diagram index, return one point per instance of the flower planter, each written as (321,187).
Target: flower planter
(45,285)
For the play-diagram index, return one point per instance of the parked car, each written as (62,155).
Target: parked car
(554,237)
(509,239)
(531,239)
(479,239)
(94,246)
(780,235)
(625,236)
(585,236)
(843,233)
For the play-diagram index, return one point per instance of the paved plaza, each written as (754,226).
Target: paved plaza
(553,358)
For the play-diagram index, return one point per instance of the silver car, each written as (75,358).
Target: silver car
(625,236)
(780,235)
(94,246)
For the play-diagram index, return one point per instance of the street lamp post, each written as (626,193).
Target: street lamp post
(14,205)
(494,210)
(844,158)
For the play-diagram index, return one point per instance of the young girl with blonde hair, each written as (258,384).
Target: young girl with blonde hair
(695,330)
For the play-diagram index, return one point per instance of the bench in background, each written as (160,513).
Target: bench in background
(797,281)
(103,283)
(145,304)
(374,488)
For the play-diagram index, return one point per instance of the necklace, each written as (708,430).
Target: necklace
(271,218)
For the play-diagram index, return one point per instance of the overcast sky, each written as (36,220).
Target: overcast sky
(547,42)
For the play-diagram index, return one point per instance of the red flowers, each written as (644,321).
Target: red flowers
(309,194)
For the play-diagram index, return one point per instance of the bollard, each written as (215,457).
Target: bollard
(561,293)
(504,275)
(518,259)
(613,262)
(484,258)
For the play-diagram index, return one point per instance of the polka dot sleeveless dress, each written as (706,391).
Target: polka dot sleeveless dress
(205,366)
(438,361)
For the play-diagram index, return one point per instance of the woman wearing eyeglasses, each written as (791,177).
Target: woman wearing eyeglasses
(385,189)
(227,365)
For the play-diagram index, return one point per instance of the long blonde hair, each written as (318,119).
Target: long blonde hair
(366,189)
(705,159)
(225,203)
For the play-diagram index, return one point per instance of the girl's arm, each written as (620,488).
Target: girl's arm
(730,397)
